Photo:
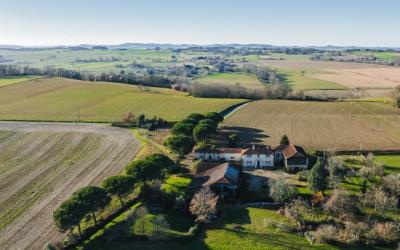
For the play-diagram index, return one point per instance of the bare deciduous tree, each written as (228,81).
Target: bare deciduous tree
(202,204)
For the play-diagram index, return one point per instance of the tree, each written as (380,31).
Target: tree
(215,116)
(140,219)
(202,132)
(369,171)
(69,214)
(118,185)
(180,144)
(181,128)
(208,122)
(143,170)
(92,198)
(162,161)
(196,116)
(340,203)
(285,140)
(189,121)
(129,118)
(280,190)
(233,140)
(316,178)
(202,205)
(334,166)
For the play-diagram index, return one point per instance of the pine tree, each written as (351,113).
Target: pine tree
(316,179)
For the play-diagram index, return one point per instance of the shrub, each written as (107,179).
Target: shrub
(280,191)
(354,233)
(378,199)
(326,234)
(387,232)
(340,203)
(303,175)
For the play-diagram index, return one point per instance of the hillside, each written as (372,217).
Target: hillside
(59,99)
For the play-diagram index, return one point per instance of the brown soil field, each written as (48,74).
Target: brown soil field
(362,77)
(41,164)
(319,125)
(302,62)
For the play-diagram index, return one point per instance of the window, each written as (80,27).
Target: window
(232,157)
(248,156)
(258,156)
(249,162)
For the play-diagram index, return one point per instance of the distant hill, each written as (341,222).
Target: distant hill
(184,46)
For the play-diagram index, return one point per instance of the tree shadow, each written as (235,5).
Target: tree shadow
(247,135)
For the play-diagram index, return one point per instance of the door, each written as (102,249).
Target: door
(258,164)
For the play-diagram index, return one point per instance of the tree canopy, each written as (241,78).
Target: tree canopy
(316,178)
(118,185)
(215,116)
(196,116)
(143,170)
(285,140)
(180,144)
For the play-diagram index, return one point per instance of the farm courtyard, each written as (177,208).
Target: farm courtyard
(41,164)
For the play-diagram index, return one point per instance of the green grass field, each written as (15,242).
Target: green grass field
(253,235)
(9,80)
(58,99)
(231,79)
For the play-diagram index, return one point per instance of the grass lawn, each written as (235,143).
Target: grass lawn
(253,235)
(60,99)
(231,79)
(175,184)
(299,81)
(9,80)
(391,162)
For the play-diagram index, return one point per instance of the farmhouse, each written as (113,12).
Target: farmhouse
(291,156)
(222,179)
(250,158)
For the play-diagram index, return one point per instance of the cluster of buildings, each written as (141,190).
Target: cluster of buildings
(287,155)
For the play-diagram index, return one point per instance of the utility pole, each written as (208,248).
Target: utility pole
(78,114)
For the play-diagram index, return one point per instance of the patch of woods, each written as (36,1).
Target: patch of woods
(141,121)
(121,77)
(337,215)
(194,129)
(349,56)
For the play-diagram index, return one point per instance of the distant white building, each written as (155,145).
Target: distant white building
(289,156)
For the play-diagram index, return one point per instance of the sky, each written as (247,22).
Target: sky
(278,22)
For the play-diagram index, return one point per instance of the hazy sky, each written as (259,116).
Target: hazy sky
(279,22)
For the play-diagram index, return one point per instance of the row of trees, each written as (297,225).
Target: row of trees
(141,121)
(122,77)
(88,200)
(195,129)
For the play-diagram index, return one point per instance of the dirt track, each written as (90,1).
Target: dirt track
(41,164)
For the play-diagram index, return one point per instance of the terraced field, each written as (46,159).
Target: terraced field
(319,125)
(41,164)
(59,99)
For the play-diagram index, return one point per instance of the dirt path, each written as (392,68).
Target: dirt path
(41,164)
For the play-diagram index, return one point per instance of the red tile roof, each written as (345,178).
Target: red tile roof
(289,151)
(257,151)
